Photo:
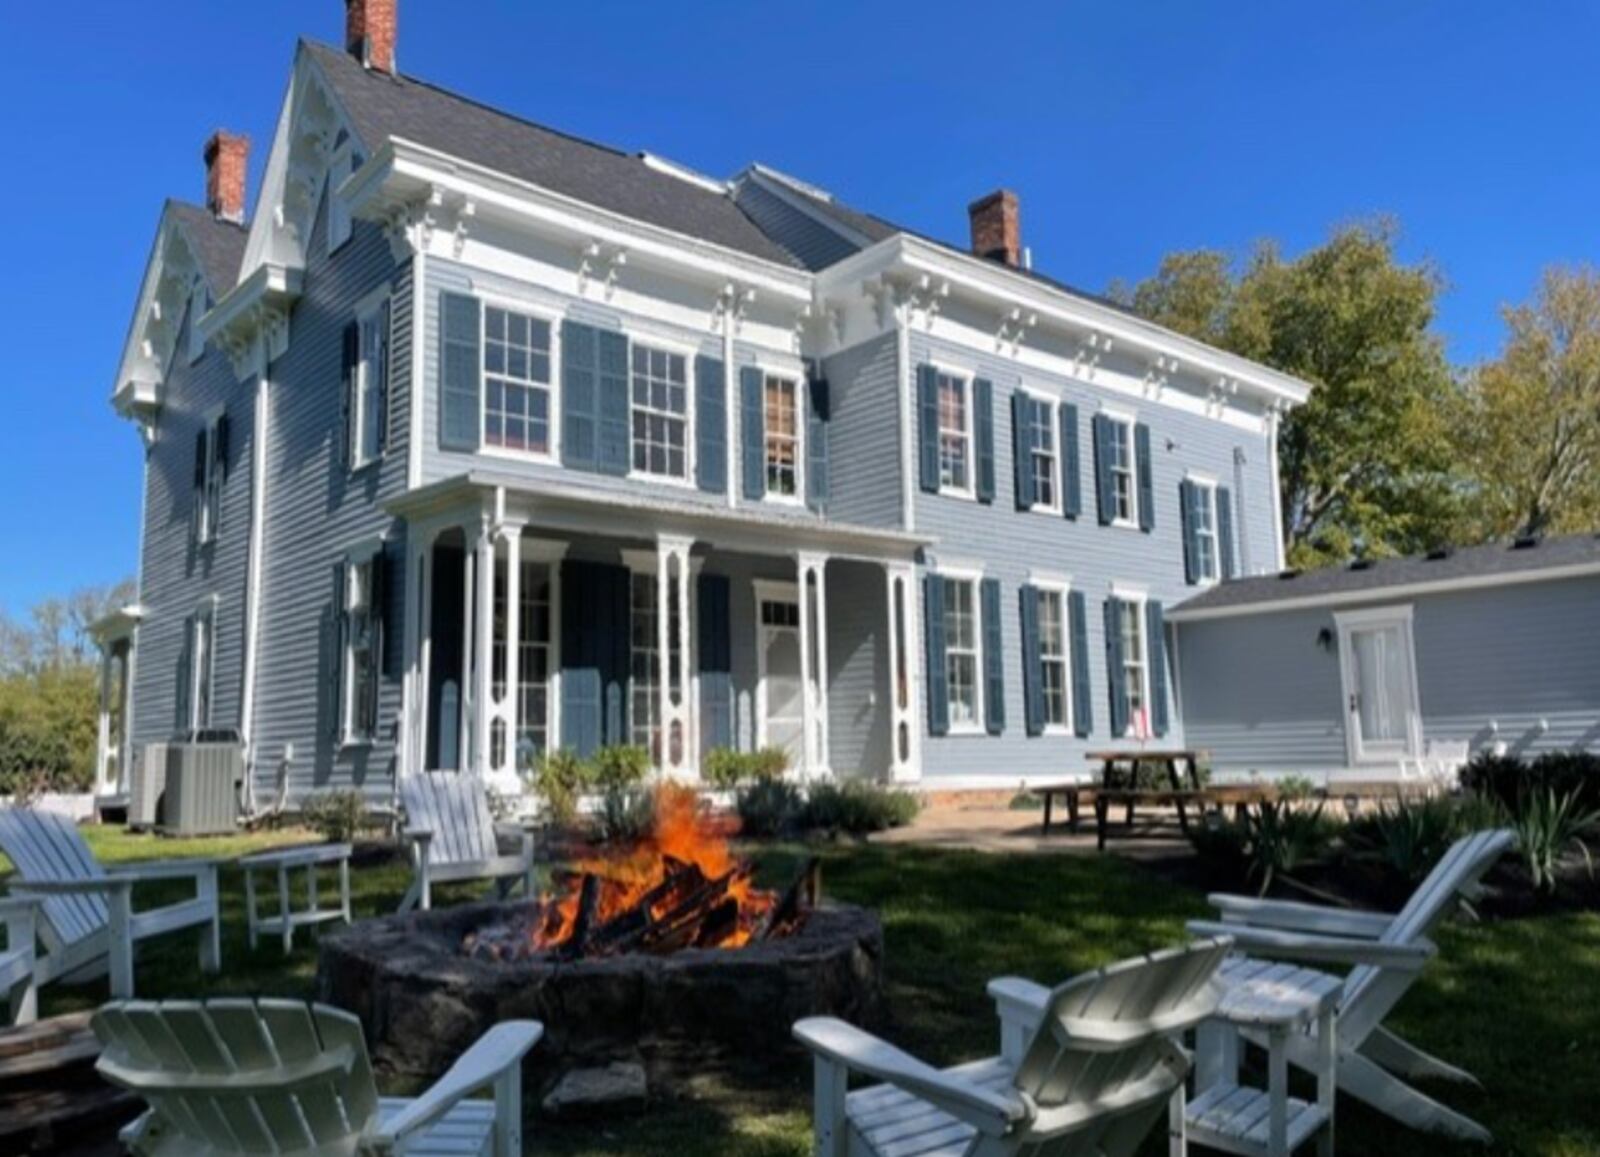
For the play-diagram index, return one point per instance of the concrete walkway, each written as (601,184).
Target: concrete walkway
(989,826)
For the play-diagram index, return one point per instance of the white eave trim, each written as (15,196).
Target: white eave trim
(269,285)
(1012,289)
(403,171)
(1386,594)
(116,624)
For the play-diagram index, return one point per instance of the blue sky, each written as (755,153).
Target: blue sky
(1128,130)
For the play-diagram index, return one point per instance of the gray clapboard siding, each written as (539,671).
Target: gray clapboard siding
(176,573)
(1010,544)
(858,670)
(315,513)
(864,433)
(1262,695)
(813,244)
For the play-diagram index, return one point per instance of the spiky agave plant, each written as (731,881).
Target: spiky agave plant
(1547,826)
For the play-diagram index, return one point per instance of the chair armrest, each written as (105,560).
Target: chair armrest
(73,887)
(166,869)
(493,1054)
(991,1113)
(1278,945)
(417,835)
(1292,916)
(19,915)
(1020,1005)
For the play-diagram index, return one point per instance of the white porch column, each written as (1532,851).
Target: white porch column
(812,571)
(416,617)
(105,782)
(905,653)
(672,654)
(480,596)
(501,700)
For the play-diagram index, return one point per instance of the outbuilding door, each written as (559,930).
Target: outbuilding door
(1378,665)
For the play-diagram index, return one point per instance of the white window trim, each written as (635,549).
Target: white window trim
(486,301)
(548,553)
(1130,420)
(1138,596)
(802,412)
(1400,615)
(204,621)
(1063,587)
(966,377)
(363,555)
(769,591)
(1208,484)
(688,353)
(367,310)
(1053,404)
(211,518)
(978,726)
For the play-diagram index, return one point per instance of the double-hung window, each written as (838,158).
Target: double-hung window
(660,412)
(359,694)
(955,433)
(1046,458)
(535,628)
(370,390)
(963,658)
(210,471)
(782,413)
(1053,681)
(1122,469)
(1203,516)
(516,381)
(202,643)
(1135,666)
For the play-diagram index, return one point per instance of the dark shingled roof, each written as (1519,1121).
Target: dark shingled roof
(1473,562)
(384,106)
(218,245)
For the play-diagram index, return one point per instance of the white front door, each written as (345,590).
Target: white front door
(781,718)
(1378,666)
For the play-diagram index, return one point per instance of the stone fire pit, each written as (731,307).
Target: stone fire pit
(423,1002)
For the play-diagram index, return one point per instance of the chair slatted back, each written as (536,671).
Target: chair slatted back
(1152,997)
(209,1072)
(455,807)
(1461,867)
(46,845)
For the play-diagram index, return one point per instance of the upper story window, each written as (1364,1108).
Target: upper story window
(962,656)
(955,432)
(367,383)
(1121,466)
(782,412)
(1045,457)
(1053,681)
(359,692)
(517,383)
(1202,516)
(660,412)
(210,472)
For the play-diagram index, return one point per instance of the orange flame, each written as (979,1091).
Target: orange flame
(682,834)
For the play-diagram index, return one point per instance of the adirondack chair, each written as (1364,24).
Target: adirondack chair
(89,925)
(453,836)
(1385,955)
(1084,1069)
(17,959)
(236,1076)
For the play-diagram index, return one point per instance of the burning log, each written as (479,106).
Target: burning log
(588,901)
(798,898)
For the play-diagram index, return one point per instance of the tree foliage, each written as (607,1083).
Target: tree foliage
(1365,464)
(1529,426)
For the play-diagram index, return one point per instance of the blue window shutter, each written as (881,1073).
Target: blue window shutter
(711,424)
(349,360)
(594,655)
(928,427)
(612,446)
(1032,669)
(1022,448)
(1225,533)
(938,684)
(716,663)
(391,602)
(983,436)
(994,678)
(752,433)
(580,396)
(337,624)
(1147,489)
(1119,693)
(1071,484)
(1105,498)
(818,414)
(1155,626)
(460,372)
(1188,495)
(1082,706)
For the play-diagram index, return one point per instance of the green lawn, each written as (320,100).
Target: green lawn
(1514,1002)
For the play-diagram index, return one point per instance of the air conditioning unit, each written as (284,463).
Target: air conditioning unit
(145,785)
(202,794)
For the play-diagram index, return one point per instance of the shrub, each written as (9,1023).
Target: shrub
(559,779)
(1548,825)
(1272,840)
(857,807)
(619,766)
(627,814)
(724,768)
(335,815)
(768,763)
(768,807)
(1508,779)
(1292,788)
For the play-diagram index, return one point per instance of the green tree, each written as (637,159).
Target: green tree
(1365,464)
(1530,423)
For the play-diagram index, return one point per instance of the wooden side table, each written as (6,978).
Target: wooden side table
(288,918)
(1272,1001)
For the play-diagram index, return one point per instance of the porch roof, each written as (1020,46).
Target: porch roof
(577,509)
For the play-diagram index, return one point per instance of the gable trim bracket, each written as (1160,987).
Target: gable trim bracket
(252,322)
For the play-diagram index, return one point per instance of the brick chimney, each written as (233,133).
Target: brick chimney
(997,227)
(369,32)
(227,157)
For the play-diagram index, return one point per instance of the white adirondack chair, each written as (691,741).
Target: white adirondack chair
(1084,1069)
(453,836)
(17,959)
(237,1076)
(89,925)
(1385,955)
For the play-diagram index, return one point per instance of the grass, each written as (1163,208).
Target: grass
(1511,1001)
